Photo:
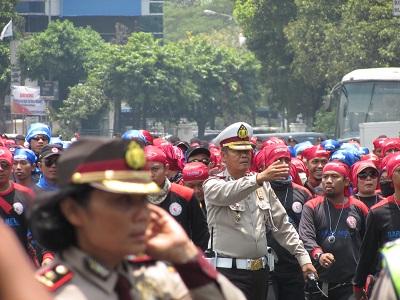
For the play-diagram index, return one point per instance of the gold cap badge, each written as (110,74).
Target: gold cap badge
(134,156)
(242,132)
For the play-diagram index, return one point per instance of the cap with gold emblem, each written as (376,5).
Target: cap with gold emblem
(236,136)
(112,165)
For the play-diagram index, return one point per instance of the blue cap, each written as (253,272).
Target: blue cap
(25,154)
(292,151)
(330,145)
(134,134)
(346,156)
(38,128)
(300,147)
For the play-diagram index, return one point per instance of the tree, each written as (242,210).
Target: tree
(61,53)
(223,81)
(145,76)
(7,12)
(263,22)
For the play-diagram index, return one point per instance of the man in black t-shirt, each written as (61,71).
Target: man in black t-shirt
(286,278)
(383,225)
(332,227)
(177,199)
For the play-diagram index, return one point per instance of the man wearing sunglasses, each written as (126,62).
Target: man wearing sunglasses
(199,154)
(365,180)
(38,136)
(383,225)
(48,166)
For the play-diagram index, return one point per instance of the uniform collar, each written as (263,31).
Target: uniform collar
(93,271)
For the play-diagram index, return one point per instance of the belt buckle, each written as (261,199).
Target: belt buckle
(256,264)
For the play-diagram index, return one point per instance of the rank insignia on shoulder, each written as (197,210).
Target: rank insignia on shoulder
(97,268)
(54,277)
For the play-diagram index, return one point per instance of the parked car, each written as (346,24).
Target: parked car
(313,137)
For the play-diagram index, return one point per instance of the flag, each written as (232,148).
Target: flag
(7,31)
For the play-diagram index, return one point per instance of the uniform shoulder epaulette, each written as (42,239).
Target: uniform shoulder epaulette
(141,260)
(183,191)
(54,277)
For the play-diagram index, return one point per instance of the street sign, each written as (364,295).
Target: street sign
(49,90)
(396,8)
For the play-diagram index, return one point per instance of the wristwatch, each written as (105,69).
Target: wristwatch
(317,256)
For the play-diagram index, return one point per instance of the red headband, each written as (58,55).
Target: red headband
(195,171)
(155,154)
(315,151)
(274,152)
(337,167)
(392,164)
(6,155)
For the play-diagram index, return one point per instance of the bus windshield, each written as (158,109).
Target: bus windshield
(372,101)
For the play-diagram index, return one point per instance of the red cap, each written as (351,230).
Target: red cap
(6,155)
(358,167)
(155,154)
(392,164)
(390,144)
(272,141)
(195,171)
(378,143)
(274,152)
(300,165)
(374,158)
(315,151)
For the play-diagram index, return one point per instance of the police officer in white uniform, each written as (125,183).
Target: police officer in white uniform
(241,208)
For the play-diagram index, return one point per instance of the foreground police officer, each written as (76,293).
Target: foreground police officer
(100,215)
(388,284)
(240,206)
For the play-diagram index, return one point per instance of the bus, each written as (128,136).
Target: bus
(364,96)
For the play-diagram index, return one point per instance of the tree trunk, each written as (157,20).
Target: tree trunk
(3,126)
(117,115)
(201,125)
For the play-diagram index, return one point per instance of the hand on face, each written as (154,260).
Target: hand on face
(166,239)
(276,171)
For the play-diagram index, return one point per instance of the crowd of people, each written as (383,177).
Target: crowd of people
(142,217)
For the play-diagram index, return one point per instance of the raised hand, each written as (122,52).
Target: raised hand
(166,239)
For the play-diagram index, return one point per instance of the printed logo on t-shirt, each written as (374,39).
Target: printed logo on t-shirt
(297,207)
(351,222)
(18,208)
(175,209)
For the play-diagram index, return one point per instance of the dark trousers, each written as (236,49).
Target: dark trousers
(286,286)
(335,292)
(253,284)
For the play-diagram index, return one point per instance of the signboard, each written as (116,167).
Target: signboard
(26,101)
(49,90)
(396,8)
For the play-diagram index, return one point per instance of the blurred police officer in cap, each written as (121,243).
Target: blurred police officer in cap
(100,215)
(239,205)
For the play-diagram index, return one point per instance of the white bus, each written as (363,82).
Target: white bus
(363,96)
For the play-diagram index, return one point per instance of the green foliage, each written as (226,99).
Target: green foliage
(182,17)
(59,53)
(308,45)
(325,122)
